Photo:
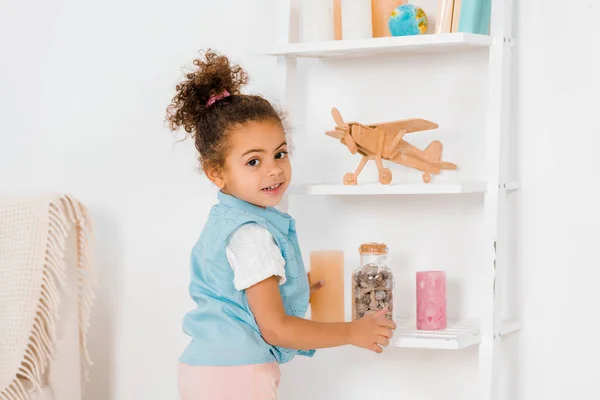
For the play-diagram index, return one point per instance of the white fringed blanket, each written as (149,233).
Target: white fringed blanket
(32,269)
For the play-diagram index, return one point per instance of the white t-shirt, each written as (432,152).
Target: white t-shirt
(254,256)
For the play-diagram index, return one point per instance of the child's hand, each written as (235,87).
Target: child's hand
(315,286)
(372,331)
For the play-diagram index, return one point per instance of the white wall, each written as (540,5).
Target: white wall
(558,88)
(83,87)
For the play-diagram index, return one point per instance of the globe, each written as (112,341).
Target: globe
(408,19)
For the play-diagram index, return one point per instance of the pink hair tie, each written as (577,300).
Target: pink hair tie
(216,97)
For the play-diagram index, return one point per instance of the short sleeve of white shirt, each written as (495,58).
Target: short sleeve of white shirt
(254,256)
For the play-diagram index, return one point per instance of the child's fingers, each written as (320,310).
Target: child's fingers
(317,285)
(387,323)
(380,313)
(385,332)
(383,340)
(375,347)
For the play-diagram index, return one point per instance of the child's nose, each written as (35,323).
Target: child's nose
(275,170)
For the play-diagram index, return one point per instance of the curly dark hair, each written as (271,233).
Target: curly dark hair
(209,125)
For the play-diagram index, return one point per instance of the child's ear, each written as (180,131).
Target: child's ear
(215,174)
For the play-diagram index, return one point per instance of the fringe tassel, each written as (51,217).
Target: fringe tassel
(62,212)
(86,279)
(15,391)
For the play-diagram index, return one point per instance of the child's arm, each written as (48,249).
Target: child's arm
(280,329)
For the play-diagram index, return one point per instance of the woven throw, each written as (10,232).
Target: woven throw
(33,233)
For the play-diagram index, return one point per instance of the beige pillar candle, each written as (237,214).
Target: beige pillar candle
(327,303)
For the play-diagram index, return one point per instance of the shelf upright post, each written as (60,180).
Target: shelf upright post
(288,32)
(495,207)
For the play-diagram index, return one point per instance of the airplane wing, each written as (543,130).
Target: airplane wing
(409,125)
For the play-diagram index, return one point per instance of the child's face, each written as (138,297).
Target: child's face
(257,169)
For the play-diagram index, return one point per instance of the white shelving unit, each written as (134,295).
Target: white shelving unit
(378,189)
(381,46)
(486,332)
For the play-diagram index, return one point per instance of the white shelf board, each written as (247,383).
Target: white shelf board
(385,45)
(510,326)
(393,189)
(458,335)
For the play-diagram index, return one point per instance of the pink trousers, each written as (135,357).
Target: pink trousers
(240,382)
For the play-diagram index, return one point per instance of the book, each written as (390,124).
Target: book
(474,16)
(444,17)
(456,15)
(337,19)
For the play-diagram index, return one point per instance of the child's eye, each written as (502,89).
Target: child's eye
(253,163)
(281,155)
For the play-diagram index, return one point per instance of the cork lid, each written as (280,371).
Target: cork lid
(371,247)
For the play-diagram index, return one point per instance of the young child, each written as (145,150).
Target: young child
(247,275)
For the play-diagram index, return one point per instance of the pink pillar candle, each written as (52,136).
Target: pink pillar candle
(431,300)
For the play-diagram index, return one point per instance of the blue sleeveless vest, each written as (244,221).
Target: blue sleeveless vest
(222,327)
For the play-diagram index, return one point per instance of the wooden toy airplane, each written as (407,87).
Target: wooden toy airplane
(385,141)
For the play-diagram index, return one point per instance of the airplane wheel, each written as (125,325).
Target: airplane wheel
(385,176)
(349,179)
(426,177)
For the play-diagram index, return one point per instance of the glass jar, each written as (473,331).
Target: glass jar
(372,282)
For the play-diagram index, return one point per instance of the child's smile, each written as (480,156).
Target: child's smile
(272,190)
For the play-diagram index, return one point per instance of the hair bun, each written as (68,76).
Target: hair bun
(212,76)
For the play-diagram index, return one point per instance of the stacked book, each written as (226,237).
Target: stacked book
(472,16)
